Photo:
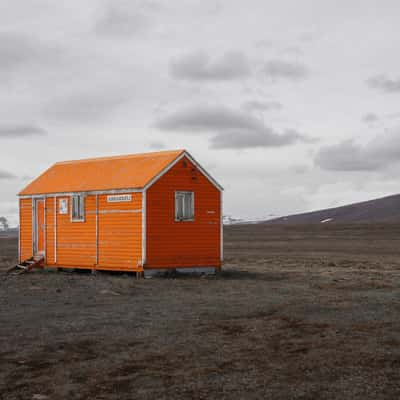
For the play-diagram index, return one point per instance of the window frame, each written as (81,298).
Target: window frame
(81,200)
(180,193)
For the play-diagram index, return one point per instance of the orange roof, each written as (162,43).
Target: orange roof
(106,173)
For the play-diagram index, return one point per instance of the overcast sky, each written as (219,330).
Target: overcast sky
(291,105)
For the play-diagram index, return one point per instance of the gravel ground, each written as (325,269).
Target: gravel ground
(302,312)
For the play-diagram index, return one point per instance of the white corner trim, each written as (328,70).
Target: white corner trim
(97,229)
(45,229)
(222,227)
(33,226)
(55,229)
(19,231)
(144,226)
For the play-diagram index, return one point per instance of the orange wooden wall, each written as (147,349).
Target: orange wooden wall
(76,241)
(25,231)
(50,223)
(186,243)
(119,231)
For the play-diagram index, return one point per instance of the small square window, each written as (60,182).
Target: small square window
(184,206)
(77,208)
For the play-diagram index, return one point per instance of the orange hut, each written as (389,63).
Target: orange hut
(137,212)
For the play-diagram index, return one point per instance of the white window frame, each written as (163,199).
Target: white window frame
(188,219)
(80,218)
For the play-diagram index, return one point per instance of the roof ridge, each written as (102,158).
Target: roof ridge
(120,157)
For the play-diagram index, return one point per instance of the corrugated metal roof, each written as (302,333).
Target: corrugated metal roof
(132,171)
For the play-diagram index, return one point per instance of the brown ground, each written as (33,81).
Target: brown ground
(303,312)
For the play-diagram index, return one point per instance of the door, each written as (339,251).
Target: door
(39,226)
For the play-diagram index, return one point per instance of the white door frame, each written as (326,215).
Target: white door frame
(35,225)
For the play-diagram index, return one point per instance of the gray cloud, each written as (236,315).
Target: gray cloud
(370,118)
(18,50)
(20,130)
(6,175)
(157,145)
(208,119)
(253,139)
(200,67)
(121,20)
(276,69)
(383,83)
(230,128)
(345,156)
(395,115)
(265,43)
(256,105)
(294,50)
(307,36)
(91,105)
(379,153)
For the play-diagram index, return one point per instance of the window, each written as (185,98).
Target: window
(78,208)
(184,206)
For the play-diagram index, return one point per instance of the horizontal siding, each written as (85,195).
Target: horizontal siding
(120,233)
(188,243)
(76,241)
(73,244)
(49,233)
(25,230)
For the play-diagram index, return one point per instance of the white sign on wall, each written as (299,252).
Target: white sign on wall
(119,198)
(63,206)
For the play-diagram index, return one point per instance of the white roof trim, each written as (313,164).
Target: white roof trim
(86,192)
(133,190)
(173,163)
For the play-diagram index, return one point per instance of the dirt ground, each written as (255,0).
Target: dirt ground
(301,312)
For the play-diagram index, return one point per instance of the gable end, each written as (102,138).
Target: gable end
(194,162)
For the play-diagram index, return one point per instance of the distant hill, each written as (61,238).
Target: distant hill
(229,220)
(385,209)
(9,232)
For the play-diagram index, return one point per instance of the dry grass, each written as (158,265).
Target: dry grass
(298,313)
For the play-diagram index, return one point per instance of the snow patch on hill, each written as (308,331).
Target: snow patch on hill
(229,220)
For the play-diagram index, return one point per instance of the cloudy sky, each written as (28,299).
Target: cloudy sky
(291,105)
